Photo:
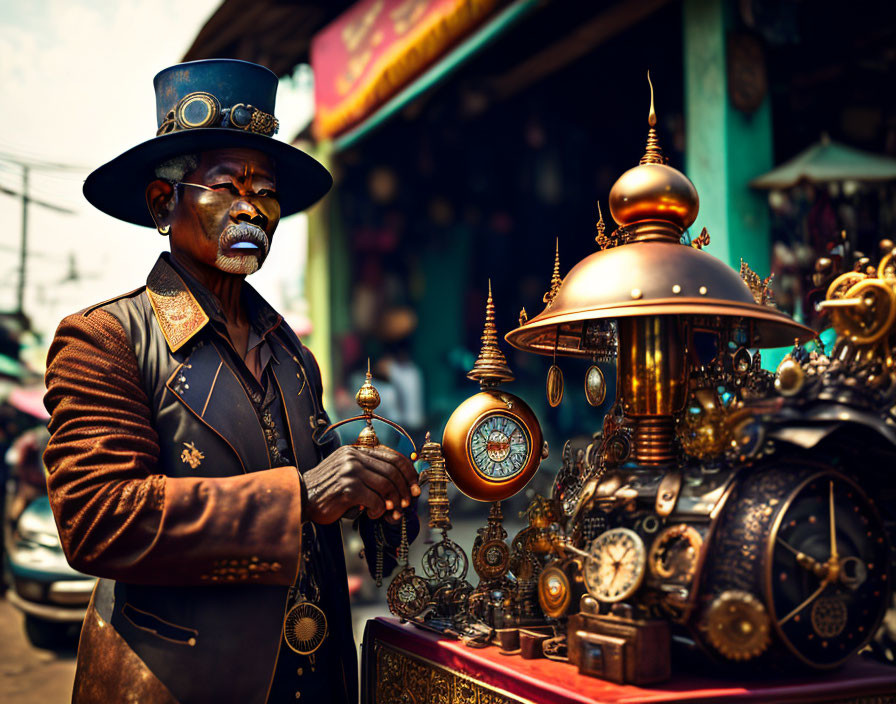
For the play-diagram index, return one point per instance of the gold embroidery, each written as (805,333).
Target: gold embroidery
(179,314)
(191,455)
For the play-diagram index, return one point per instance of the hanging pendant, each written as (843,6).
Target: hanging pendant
(554,386)
(595,385)
(305,628)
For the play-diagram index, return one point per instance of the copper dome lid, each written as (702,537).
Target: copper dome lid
(643,269)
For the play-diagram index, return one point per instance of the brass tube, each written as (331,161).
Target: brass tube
(650,383)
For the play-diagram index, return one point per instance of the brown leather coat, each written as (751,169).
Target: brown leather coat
(161,484)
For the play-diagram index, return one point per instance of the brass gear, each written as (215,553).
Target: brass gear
(738,625)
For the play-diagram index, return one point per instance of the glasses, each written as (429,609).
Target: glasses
(232,189)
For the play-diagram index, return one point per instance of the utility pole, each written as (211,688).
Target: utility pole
(27,165)
(23,249)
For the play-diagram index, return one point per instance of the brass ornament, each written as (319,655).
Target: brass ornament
(191,455)
(164,230)
(556,281)
(790,377)
(554,591)
(490,368)
(305,628)
(759,287)
(407,595)
(674,553)
(737,625)
(196,110)
(492,559)
(554,386)
(702,240)
(829,617)
(595,386)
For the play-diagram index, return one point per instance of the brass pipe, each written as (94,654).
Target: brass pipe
(651,383)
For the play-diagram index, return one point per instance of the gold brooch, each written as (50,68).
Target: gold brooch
(191,455)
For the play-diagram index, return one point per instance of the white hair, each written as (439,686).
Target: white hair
(175,169)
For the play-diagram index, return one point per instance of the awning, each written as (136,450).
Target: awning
(381,54)
(829,161)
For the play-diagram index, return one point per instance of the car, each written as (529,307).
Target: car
(41,584)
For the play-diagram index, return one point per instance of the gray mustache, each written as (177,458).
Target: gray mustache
(244,232)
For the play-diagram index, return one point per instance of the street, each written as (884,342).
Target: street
(29,675)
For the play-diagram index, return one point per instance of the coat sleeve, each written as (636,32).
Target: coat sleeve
(117,516)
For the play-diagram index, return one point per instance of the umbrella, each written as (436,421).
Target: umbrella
(30,401)
(828,161)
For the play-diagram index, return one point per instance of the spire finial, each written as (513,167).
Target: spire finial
(651,116)
(555,277)
(653,154)
(491,367)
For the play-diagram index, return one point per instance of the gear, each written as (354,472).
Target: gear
(738,625)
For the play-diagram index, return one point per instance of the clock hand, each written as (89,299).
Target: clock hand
(805,561)
(812,596)
(833,563)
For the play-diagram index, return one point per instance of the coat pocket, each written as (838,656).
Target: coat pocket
(159,627)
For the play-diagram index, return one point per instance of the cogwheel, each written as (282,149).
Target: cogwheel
(737,625)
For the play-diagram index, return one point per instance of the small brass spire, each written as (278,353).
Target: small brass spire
(601,238)
(653,154)
(555,278)
(491,367)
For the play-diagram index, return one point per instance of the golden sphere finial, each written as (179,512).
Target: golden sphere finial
(653,201)
(368,398)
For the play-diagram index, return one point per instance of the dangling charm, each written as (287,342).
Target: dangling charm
(305,628)
(408,594)
(554,386)
(595,385)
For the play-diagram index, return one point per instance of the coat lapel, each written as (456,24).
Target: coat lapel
(295,390)
(210,389)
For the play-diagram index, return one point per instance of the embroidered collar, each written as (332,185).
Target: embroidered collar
(183,306)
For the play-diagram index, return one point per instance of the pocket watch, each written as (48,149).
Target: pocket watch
(492,442)
(615,566)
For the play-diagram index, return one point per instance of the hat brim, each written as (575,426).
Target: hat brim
(118,187)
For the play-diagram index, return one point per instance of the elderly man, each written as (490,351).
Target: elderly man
(186,464)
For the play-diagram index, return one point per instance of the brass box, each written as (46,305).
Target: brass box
(621,650)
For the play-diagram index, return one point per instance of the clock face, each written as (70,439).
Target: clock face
(499,446)
(828,570)
(675,552)
(615,569)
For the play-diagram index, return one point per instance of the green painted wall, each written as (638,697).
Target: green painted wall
(725,148)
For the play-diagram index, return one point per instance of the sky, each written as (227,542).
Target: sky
(76,79)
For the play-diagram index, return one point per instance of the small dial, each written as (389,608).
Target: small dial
(615,568)
(673,556)
(828,570)
(500,447)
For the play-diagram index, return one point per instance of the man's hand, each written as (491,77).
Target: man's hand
(378,479)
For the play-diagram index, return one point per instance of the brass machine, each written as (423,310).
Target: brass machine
(720,508)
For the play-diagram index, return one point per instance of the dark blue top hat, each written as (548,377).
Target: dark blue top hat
(202,105)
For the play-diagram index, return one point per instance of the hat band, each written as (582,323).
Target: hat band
(201,109)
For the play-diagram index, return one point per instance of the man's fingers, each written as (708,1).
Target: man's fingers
(401,463)
(371,500)
(401,491)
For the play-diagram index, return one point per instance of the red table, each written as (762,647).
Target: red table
(403,663)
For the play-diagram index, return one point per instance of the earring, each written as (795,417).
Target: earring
(554,385)
(163,231)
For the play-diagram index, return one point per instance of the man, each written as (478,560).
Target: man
(186,467)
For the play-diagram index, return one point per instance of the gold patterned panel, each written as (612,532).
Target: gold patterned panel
(402,678)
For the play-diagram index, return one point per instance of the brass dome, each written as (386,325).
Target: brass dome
(649,278)
(650,272)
